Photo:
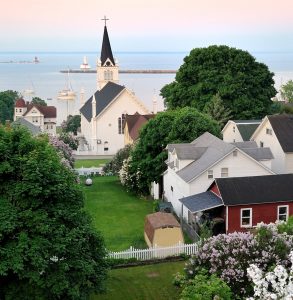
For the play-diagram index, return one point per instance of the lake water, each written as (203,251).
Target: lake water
(45,78)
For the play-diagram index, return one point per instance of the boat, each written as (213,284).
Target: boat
(67,93)
(85,65)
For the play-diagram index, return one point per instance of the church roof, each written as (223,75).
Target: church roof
(106,51)
(103,98)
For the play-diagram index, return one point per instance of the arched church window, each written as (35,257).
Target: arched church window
(119,125)
(121,121)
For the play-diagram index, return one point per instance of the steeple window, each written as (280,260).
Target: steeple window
(108,75)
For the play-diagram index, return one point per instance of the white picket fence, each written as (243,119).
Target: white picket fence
(155,252)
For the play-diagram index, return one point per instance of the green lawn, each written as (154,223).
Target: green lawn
(117,214)
(87,163)
(151,282)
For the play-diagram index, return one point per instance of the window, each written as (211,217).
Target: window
(20,110)
(16,110)
(269,131)
(106,148)
(171,188)
(121,121)
(35,119)
(108,75)
(246,217)
(261,144)
(224,172)
(210,174)
(235,153)
(283,212)
(233,128)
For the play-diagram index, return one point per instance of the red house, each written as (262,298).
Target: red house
(240,203)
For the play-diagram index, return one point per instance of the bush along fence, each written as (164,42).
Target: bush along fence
(155,252)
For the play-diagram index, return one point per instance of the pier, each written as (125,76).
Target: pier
(124,71)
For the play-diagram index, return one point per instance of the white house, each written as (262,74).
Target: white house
(43,117)
(103,114)
(239,130)
(193,167)
(276,132)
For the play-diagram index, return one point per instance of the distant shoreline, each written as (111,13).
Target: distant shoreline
(123,71)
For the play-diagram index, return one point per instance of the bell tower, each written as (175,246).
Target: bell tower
(107,66)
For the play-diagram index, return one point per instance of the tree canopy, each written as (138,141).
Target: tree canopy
(71,124)
(39,101)
(178,126)
(7,101)
(245,85)
(287,91)
(49,249)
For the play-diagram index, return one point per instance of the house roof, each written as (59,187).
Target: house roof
(256,189)
(135,122)
(283,128)
(31,127)
(246,130)
(245,144)
(246,121)
(189,152)
(216,149)
(20,103)
(47,111)
(106,51)
(259,153)
(103,98)
(159,220)
(202,201)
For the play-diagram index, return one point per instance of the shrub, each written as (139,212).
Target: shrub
(286,226)
(203,287)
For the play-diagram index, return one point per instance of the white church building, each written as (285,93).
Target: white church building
(103,114)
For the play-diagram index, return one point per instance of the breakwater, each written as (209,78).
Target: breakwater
(124,71)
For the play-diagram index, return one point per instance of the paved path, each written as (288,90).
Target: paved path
(93,156)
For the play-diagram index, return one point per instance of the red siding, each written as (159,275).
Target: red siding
(266,213)
(215,190)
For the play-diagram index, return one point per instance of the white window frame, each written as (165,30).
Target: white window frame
(222,172)
(250,218)
(287,212)
(261,144)
(210,174)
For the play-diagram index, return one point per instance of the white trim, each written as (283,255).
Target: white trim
(287,212)
(250,220)
(227,218)
(230,121)
(259,128)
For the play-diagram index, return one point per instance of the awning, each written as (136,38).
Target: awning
(201,202)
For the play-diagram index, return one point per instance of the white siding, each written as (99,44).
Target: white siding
(271,141)
(238,166)
(289,163)
(229,135)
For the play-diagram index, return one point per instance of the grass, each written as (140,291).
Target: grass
(151,282)
(118,215)
(87,163)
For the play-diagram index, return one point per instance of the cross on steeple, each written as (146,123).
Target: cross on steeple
(105,19)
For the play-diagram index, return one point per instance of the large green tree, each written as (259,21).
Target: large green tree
(72,124)
(245,85)
(178,126)
(7,101)
(287,91)
(48,248)
(39,101)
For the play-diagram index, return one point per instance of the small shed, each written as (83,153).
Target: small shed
(162,229)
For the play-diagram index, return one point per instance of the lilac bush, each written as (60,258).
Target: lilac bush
(229,255)
(64,151)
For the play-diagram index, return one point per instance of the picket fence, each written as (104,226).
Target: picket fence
(155,252)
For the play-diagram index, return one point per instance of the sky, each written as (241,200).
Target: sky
(149,25)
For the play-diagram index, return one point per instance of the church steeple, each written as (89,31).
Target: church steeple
(107,66)
(106,52)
